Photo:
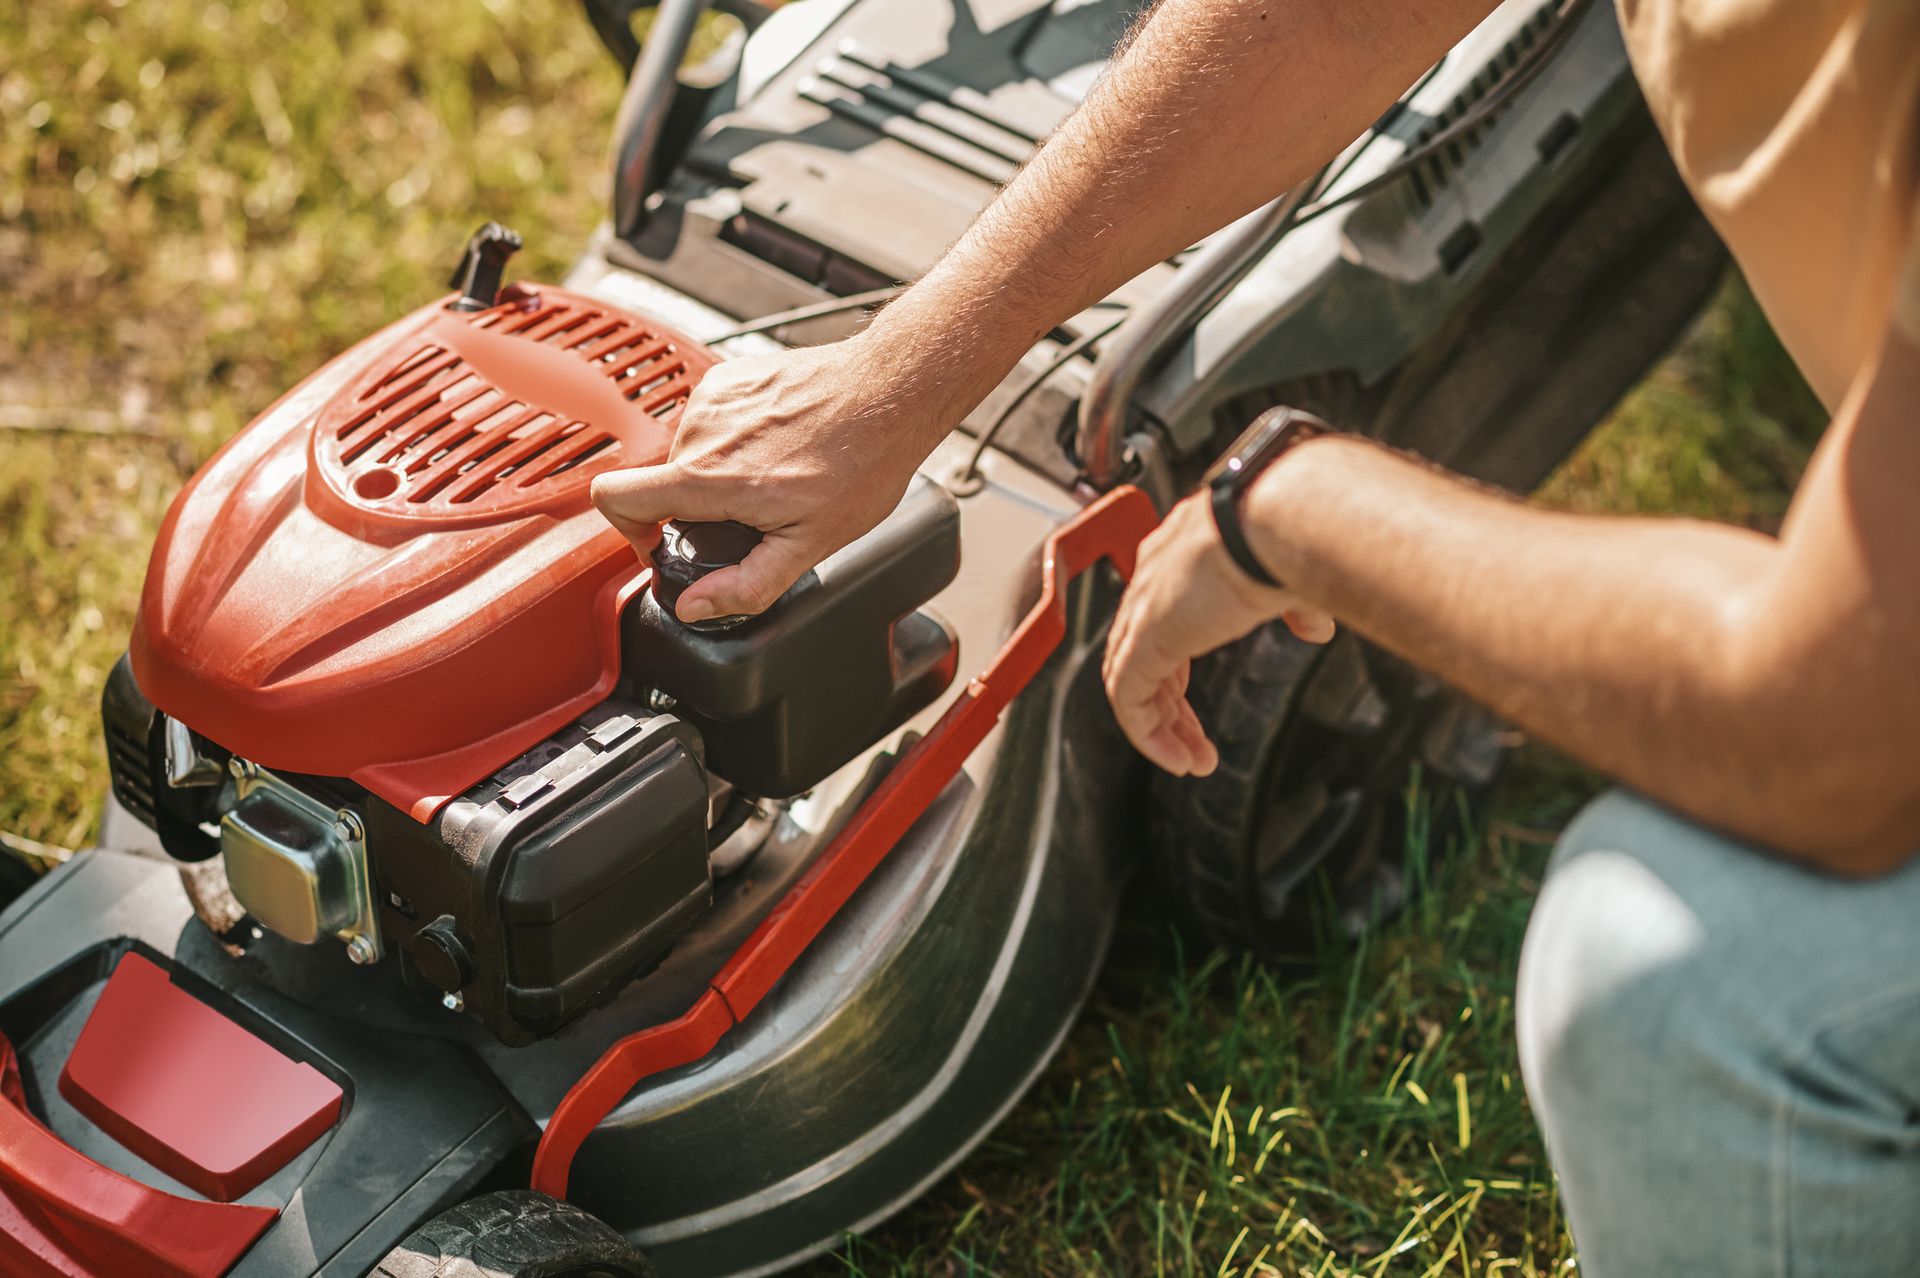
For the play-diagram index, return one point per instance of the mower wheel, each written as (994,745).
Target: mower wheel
(1308,828)
(515,1233)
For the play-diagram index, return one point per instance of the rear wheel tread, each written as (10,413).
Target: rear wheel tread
(1201,828)
(513,1234)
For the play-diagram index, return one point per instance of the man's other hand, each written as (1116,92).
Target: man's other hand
(1187,598)
(812,446)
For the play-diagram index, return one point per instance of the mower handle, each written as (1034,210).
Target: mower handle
(1111,529)
(651,88)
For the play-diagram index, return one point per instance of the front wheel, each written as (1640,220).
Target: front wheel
(514,1233)
(1339,766)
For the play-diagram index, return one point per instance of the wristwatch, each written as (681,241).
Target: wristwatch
(1271,434)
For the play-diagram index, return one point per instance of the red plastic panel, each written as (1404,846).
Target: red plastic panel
(1110,529)
(188,1090)
(62,1215)
(396,573)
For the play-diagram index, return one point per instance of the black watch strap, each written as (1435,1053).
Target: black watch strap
(1265,439)
(1226,519)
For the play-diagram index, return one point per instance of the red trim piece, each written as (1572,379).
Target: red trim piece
(1110,529)
(637,1056)
(11,1088)
(62,1215)
(205,1101)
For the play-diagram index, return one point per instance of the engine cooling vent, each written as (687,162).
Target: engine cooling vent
(505,409)
(1427,180)
(127,765)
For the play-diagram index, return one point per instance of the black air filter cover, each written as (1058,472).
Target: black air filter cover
(543,890)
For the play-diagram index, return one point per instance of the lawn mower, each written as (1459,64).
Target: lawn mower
(459,911)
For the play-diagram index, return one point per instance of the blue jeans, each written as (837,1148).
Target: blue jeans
(1724,1053)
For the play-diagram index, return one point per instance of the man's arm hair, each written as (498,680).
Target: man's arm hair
(1209,109)
(1215,106)
(1769,686)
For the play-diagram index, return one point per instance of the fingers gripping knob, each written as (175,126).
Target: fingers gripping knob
(689,551)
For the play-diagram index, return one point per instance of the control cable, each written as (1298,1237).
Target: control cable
(813,310)
(1061,359)
(1503,90)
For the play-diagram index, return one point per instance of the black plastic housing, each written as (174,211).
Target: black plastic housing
(543,890)
(785,698)
(135,762)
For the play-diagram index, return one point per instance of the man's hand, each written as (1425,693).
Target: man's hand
(812,446)
(1212,110)
(1187,597)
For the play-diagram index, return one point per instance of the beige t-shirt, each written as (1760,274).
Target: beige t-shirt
(1797,124)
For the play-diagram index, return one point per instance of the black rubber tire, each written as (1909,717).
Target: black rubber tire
(514,1233)
(1199,825)
(1348,867)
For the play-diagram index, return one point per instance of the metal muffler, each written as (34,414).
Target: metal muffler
(297,865)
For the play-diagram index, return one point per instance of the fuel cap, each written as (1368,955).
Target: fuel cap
(689,551)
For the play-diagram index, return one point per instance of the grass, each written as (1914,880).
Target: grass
(1210,1116)
(199,202)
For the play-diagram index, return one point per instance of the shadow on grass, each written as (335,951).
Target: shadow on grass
(1210,1115)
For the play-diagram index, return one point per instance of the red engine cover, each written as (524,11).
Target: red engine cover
(395,573)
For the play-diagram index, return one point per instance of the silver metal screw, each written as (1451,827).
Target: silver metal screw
(454,1002)
(660,701)
(360,950)
(347,825)
(241,768)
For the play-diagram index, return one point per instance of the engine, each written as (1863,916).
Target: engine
(423,702)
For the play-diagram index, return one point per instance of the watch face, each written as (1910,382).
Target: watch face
(1256,445)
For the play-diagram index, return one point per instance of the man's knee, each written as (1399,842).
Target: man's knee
(1618,984)
(1709,1033)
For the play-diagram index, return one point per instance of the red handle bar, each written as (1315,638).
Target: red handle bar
(1110,529)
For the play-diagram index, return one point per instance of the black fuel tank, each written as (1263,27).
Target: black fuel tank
(785,698)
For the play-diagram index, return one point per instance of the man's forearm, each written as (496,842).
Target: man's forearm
(1629,643)
(1598,634)
(1213,108)
(1216,106)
